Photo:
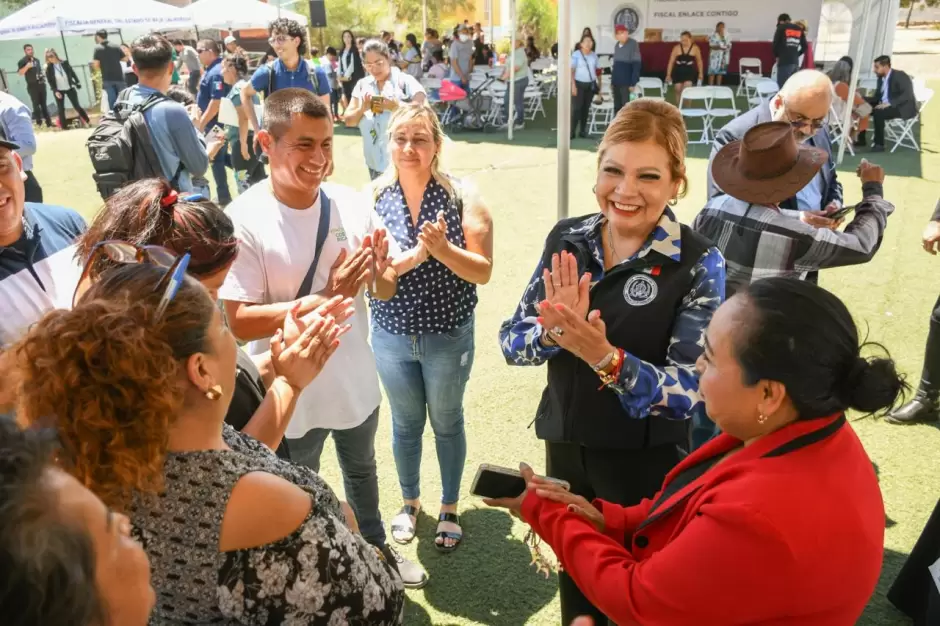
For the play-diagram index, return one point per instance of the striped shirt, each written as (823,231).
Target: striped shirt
(39,272)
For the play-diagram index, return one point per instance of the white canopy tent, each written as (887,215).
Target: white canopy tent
(238,14)
(48,18)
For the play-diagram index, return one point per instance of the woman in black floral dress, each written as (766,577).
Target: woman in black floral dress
(235,535)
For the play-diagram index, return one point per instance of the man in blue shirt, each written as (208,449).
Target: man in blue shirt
(211,91)
(180,148)
(38,269)
(16,127)
(288,39)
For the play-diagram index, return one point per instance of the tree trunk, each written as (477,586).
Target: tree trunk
(910,10)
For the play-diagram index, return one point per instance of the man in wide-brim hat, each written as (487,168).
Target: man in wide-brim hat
(766,167)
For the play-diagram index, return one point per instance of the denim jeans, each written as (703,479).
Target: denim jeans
(426,375)
(112,88)
(519,86)
(355,448)
(219,173)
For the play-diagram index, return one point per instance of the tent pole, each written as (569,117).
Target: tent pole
(511,117)
(121,35)
(853,85)
(197,32)
(493,21)
(564,103)
(65,49)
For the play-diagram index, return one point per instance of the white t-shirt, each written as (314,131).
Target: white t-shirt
(276,248)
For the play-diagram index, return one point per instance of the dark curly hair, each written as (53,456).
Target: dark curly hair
(111,375)
(135,214)
(291,28)
(47,563)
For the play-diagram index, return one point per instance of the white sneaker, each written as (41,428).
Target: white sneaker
(519,126)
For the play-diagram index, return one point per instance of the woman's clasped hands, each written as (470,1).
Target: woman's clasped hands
(564,313)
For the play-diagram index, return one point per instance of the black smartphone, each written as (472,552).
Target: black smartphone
(501,482)
(841,213)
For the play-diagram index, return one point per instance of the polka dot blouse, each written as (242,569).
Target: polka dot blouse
(431,299)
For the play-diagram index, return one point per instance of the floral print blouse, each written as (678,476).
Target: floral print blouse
(322,573)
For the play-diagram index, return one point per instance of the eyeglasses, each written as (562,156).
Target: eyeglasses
(379,63)
(124,253)
(201,50)
(279,39)
(815,124)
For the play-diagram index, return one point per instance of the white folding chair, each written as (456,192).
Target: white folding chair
(651,87)
(694,104)
(747,65)
(605,62)
(836,132)
(901,132)
(867,85)
(601,116)
(722,105)
(764,90)
(533,100)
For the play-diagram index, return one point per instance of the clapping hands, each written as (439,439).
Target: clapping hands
(302,360)
(433,236)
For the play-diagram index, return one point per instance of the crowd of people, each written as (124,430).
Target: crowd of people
(697,378)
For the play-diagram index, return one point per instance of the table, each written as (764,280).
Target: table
(656,56)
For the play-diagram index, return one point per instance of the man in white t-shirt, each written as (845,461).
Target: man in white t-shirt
(283,224)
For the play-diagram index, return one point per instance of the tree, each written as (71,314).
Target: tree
(910,4)
(410,12)
(539,19)
(360,17)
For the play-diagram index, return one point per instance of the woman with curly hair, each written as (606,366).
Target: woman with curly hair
(149,213)
(65,557)
(139,376)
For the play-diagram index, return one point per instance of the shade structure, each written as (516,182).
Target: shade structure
(238,14)
(49,18)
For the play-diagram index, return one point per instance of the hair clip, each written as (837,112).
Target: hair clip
(193,197)
(169,199)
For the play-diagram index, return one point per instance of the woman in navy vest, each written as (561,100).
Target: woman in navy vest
(618,307)
(423,337)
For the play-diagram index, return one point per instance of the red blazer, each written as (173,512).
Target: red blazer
(789,530)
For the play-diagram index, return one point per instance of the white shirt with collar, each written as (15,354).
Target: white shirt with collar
(884,88)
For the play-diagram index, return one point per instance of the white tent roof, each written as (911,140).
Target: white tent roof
(237,14)
(48,18)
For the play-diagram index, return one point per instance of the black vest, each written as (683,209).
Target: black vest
(573,409)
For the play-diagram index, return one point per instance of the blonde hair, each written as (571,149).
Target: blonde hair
(406,114)
(646,119)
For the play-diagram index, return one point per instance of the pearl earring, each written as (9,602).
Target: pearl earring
(761,418)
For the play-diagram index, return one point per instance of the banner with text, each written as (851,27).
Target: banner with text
(745,20)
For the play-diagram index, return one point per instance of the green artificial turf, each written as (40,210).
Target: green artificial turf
(489,580)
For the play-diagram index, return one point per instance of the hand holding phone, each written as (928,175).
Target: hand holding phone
(842,213)
(378,104)
(496,482)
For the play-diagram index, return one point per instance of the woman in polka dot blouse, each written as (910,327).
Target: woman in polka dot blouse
(423,337)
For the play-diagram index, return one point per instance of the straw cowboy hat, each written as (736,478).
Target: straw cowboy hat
(767,166)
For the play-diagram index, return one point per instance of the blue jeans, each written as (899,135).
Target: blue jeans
(519,87)
(355,449)
(219,173)
(426,375)
(112,88)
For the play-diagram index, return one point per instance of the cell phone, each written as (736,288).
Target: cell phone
(378,103)
(493,481)
(841,213)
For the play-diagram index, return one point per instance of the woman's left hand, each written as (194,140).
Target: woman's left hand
(514,505)
(390,104)
(551,490)
(586,339)
(434,235)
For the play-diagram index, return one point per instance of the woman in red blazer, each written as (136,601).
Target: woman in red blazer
(779,520)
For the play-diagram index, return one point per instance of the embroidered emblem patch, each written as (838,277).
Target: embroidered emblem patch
(640,290)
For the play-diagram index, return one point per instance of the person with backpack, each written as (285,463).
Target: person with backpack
(291,69)
(148,134)
(212,89)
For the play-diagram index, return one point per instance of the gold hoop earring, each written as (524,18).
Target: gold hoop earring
(214,392)
(761,418)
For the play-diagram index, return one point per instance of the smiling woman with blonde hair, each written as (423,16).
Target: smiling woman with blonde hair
(618,307)
(423,337)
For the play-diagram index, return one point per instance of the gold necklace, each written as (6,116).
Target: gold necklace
(610,239)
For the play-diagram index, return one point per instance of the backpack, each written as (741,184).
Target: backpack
(121,148)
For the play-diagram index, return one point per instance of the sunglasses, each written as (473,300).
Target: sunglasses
(124,253)
(815,124)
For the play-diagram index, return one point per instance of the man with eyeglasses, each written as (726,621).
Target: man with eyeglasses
(804,103)
(289,70)
(38,270)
